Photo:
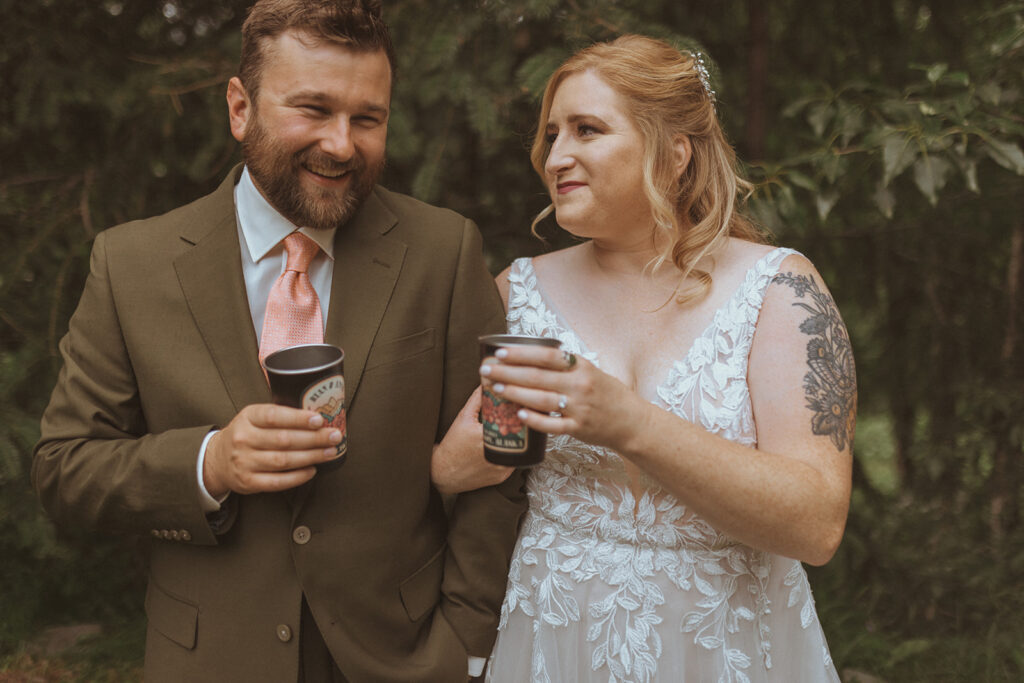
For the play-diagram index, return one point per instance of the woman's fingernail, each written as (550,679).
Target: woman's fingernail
(485,370)
(335,436)
(501,353)
(316,421)
(522,414)
(498,388)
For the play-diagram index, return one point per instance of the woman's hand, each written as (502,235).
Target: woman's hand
(457,463)
(562,393)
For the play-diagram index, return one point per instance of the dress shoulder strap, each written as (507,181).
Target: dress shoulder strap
(761,275)
(750,297)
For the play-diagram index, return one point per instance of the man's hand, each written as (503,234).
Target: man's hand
(267,448)
(458,463)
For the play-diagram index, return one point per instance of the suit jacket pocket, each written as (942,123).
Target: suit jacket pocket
(421,591)
(394,350)
(172,616)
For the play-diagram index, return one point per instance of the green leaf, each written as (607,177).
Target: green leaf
(795,107)
(897,155)
(930,174)
(850,121)
(990,93)
(957,78)
(970,171)
(1006,154)
(800,180)
(534,72)
(818,117)
(824,201)
(908,649)
(935,72)
(884,200)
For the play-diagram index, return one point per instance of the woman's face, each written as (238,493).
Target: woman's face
(594,169)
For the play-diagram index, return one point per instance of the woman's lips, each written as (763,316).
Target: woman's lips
(569,186)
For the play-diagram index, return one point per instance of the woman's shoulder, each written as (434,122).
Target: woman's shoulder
(553,263)
(743,255)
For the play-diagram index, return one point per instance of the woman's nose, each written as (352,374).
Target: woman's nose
(559,156)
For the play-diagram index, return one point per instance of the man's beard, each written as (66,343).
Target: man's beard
(276,173)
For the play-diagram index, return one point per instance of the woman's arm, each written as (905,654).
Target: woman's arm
(790,495)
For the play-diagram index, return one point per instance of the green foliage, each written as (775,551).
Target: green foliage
(891,154)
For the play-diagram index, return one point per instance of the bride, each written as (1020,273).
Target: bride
(701,408)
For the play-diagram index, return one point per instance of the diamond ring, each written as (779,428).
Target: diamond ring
(563,403)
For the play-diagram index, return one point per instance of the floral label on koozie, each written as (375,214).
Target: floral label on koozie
(327,397)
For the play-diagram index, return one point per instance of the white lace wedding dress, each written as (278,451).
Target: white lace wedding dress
(605,587)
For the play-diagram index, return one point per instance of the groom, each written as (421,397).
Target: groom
(160,423)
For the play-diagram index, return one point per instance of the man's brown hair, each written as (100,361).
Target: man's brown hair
(353,24)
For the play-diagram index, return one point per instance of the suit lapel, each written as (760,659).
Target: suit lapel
(210,274)
(366,267)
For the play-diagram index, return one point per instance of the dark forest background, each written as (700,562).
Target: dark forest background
(885,138)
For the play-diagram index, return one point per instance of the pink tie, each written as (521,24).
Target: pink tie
(293,308)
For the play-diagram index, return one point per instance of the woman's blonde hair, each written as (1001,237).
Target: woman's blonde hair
(665,98)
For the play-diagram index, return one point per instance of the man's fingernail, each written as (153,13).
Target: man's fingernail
(336,436)
(316,421)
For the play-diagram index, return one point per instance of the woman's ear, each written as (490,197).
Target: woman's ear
(240,108)
(682,150)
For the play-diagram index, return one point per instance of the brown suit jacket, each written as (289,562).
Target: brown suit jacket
(162,349)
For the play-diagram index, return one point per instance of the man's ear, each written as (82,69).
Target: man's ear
(683,151)
(240,108)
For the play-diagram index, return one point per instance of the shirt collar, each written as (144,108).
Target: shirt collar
(264,227)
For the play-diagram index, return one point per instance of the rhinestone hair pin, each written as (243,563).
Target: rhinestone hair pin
(702,73)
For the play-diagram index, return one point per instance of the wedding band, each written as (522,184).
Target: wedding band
(570,359)
(563,402)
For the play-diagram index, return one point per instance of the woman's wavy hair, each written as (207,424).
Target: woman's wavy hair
(665,98)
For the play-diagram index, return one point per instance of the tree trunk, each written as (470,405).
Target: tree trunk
(757,77)
(1004,509)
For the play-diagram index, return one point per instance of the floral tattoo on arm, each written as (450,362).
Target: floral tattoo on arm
(831,383)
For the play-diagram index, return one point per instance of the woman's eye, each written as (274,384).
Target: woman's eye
(551,137)
(584,130)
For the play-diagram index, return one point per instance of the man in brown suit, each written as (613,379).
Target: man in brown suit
(261,569)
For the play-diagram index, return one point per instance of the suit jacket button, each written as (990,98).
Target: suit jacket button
(284,632)
(185,535)
(164,533)
(301,535)
(155,533)
(174,534)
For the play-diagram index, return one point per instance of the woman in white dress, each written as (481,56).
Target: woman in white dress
(701,409)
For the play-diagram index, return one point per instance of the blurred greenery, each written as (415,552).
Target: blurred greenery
(885,140)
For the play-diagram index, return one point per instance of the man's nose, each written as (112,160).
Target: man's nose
(337,140)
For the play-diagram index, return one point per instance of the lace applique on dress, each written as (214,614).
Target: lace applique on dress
(607,587)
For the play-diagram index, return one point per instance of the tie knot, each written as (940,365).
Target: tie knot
(301,251)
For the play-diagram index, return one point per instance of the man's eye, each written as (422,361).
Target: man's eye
(314,109)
